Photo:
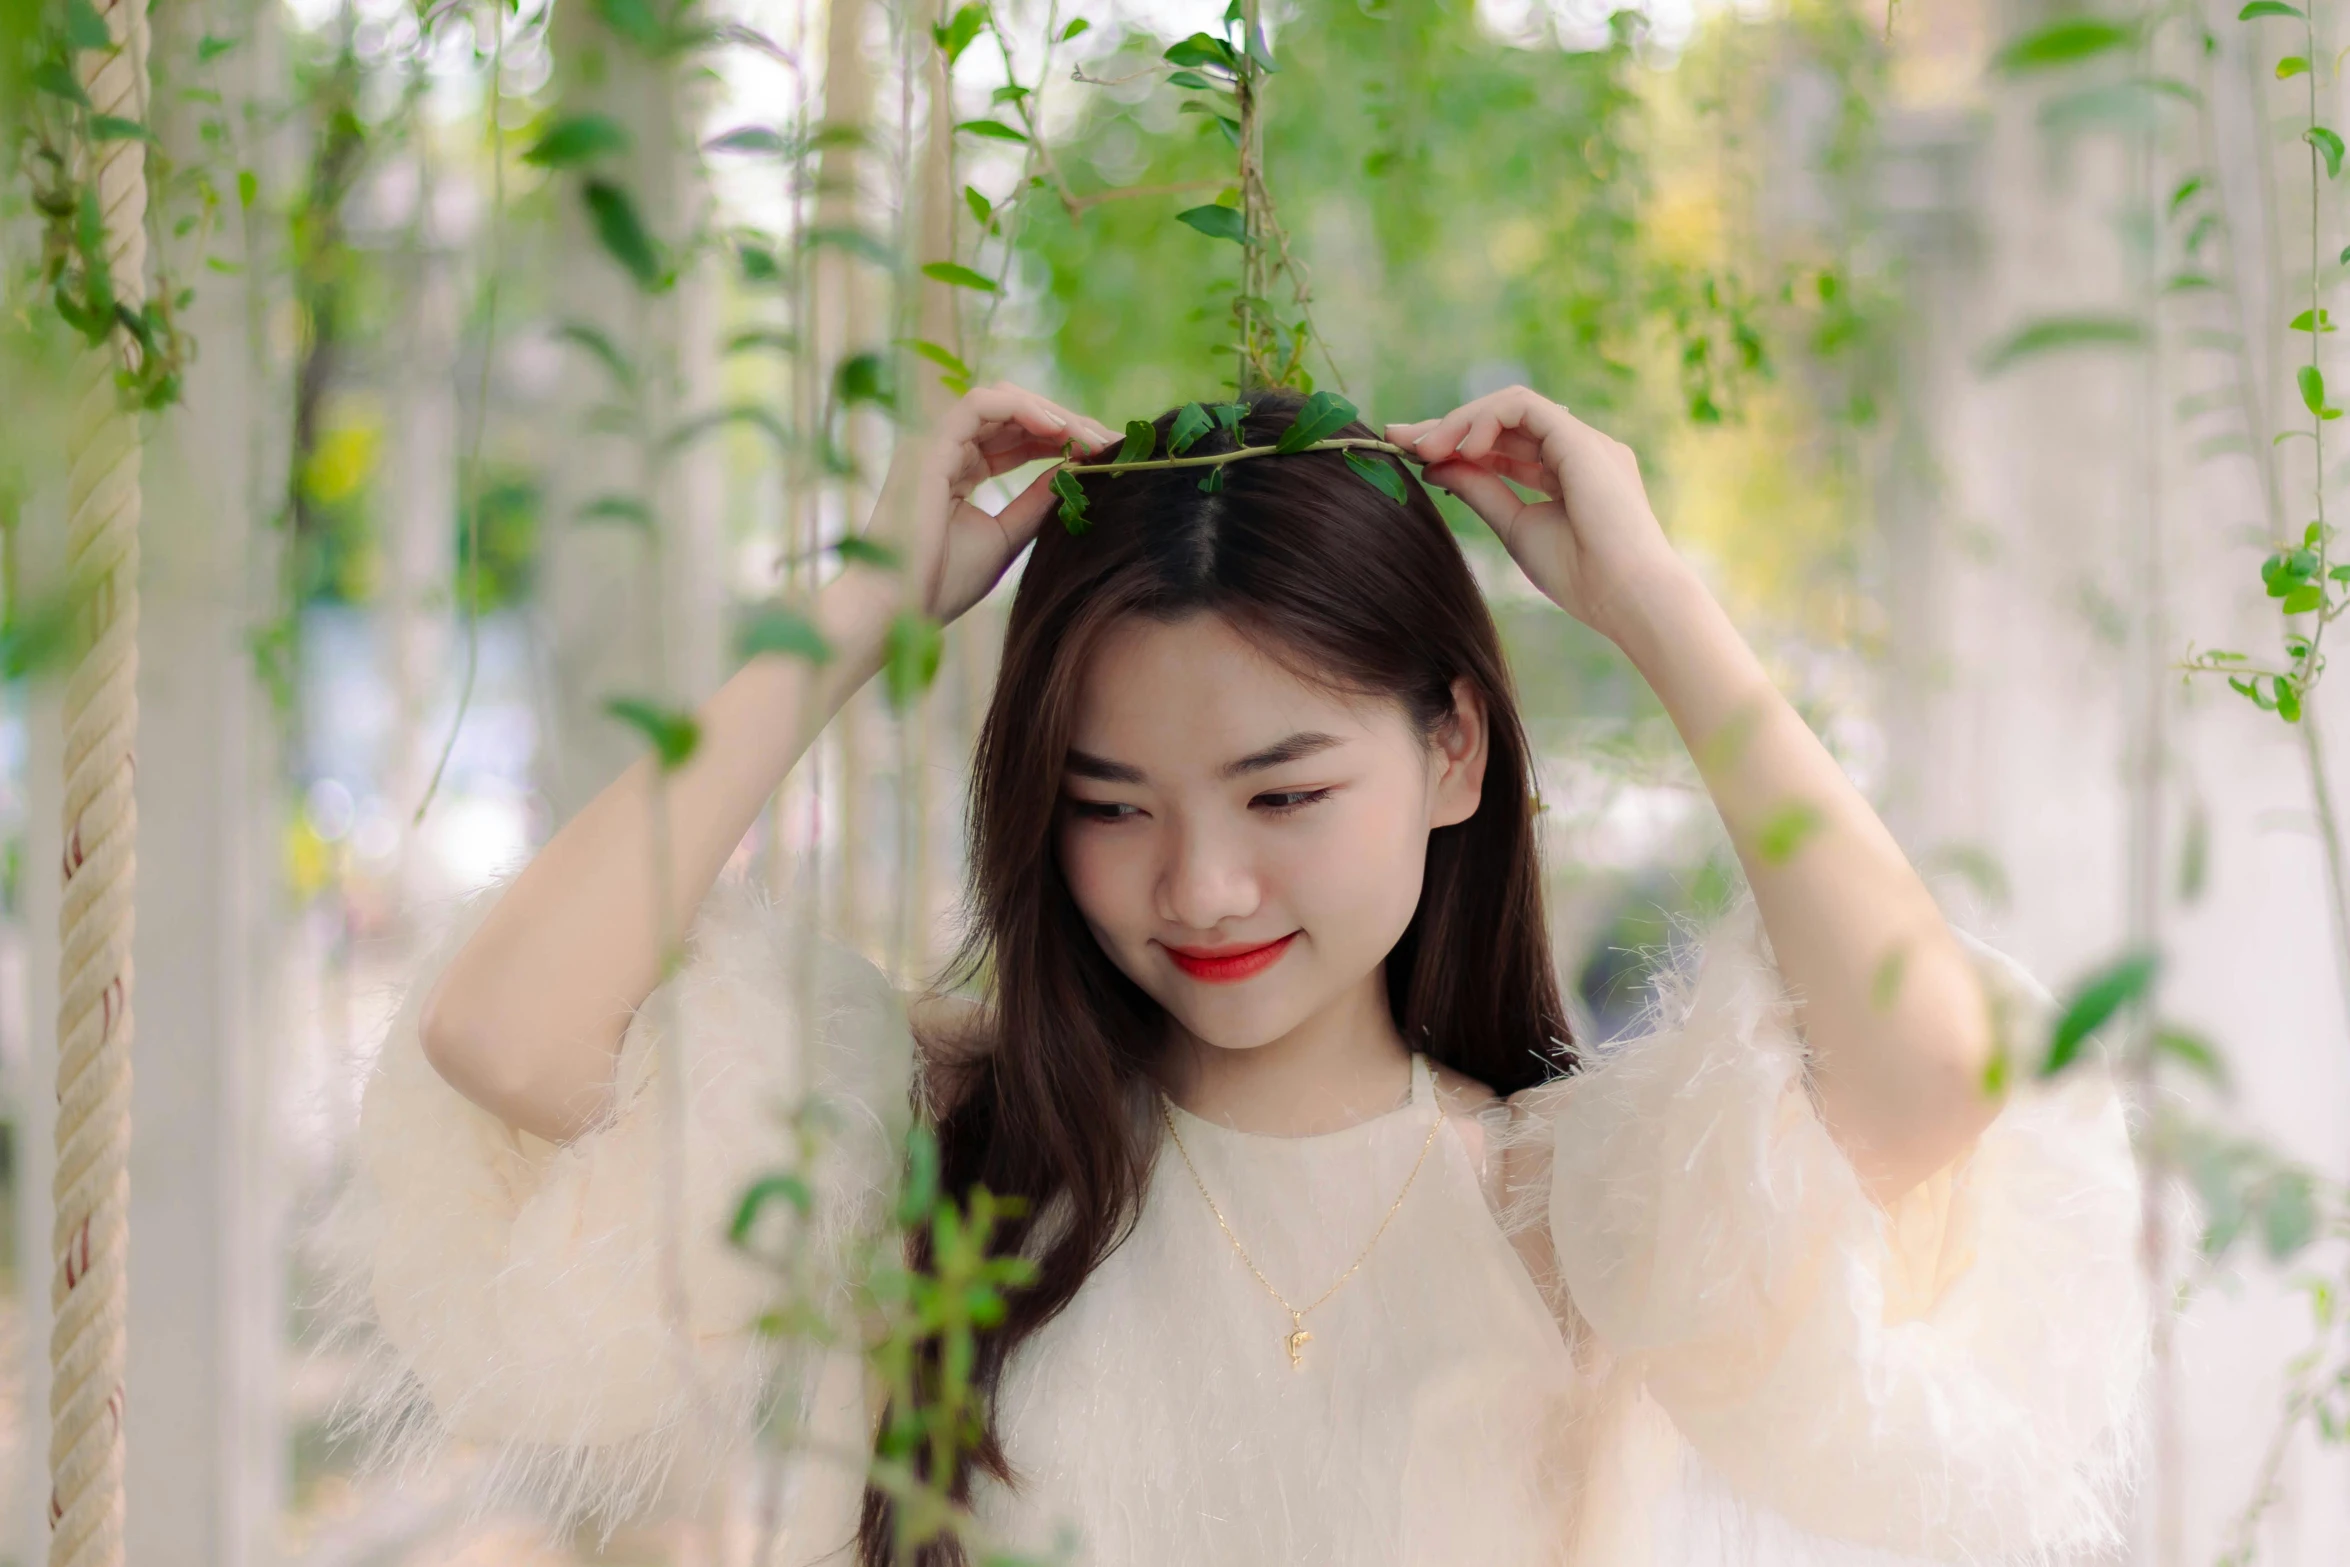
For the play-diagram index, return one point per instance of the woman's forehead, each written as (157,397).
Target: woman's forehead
(1196,695)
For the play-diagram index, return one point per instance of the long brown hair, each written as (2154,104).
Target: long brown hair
(1344,586)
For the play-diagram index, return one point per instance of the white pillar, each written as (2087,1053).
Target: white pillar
(207,1285)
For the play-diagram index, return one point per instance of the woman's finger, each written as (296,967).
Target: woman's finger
(1038,415)
(1483,431)
(1482,490)
(1025,511)
(1534,474)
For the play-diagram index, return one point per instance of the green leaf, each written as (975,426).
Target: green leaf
(635,21)
(84,27)
(862,551)
(937,354)
(2194,1052)
(2268,8)
(2287,700)
(2092,1005)
(767,1189)
(578,138)
(772,339)
(1197,82)
(2288,1215)
(1191,422)
(774,629)
(583,335)
(1213,480)
(1379,474)
(209,48)
(2329,146)
(992,130)
(672,734)
(1204,49)
(911,655)
(1786,831)
(1217,222)
(2302,601)
(703,424)
(2055,333)
(2313,387)
(1229,415)
(2310,321)
(2188,188)
(1142,439)
(757,264)
(2290,66)
(1324,415)
(113,127)
(622,234)
(981,208)
(58,82)
(760,139)
(854,240)
(1258,52)
(618,508)
(248,188)
(864,378)
(956,275)
(954,35)
(1074,28)
(2063,43)
(1073,502)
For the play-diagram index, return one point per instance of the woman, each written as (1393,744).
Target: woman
(1340,1254)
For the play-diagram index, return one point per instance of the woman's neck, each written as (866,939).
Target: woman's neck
(1344,1065)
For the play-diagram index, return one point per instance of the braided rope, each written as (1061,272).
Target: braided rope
(94,919)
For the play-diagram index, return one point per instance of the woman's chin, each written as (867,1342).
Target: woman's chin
(1236,1022)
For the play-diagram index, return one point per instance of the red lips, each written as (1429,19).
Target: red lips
(1228,965)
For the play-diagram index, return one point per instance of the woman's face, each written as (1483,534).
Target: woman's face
(1246,846)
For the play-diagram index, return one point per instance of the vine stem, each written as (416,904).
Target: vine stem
(1343,443)
(469,482)
(2312,740)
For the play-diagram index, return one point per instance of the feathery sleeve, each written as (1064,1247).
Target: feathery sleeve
(575,1314)
(1954,1376)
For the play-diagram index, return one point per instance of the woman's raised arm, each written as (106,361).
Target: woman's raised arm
(527,1018)
(1897,1029)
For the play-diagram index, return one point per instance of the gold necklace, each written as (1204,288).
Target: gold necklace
(1296,1339)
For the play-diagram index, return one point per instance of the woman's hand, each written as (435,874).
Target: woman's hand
(1592,545)
(953,551)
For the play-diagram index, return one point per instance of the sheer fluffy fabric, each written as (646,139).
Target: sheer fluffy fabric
(1686,1337)
(575,1317)
(1954,1377)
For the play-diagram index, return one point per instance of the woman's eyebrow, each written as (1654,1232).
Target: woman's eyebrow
(1305,743)
(1084,764)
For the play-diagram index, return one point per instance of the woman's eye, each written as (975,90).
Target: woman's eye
(1101,810)
(1285,800)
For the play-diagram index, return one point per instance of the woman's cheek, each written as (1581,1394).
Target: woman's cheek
(1101,880)
(1363,873)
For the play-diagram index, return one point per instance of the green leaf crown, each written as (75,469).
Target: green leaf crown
(1313,430)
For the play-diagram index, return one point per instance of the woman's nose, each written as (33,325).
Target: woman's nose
(1206,879)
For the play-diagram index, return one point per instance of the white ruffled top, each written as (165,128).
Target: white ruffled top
(1681,1333)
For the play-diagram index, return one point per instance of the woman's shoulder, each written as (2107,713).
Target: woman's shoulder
(1473,1108)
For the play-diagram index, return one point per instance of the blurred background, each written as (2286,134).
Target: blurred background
(524,356)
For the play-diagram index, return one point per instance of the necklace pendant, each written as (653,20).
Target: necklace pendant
(1296,1340)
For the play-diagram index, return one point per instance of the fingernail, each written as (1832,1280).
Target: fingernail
(1059,422)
